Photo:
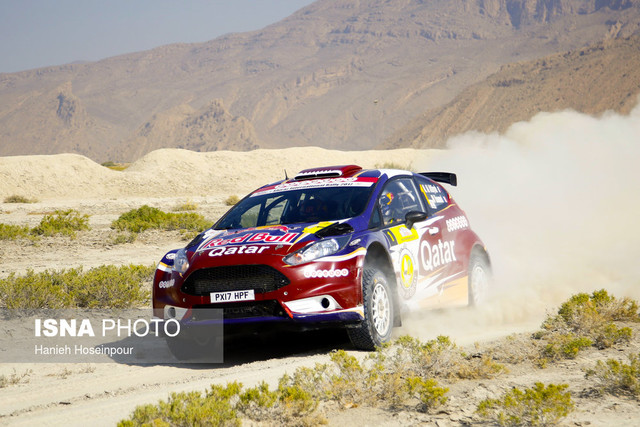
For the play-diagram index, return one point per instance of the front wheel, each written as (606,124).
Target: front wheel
(377,325)
(479,278)
(195,347)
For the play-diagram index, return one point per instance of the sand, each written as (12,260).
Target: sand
(103,393)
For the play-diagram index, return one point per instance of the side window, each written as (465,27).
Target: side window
(436,197)
(398,197)
(375,220)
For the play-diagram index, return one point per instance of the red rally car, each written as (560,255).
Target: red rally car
(337,245)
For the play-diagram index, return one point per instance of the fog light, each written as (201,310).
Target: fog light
(171,312)
(313,304)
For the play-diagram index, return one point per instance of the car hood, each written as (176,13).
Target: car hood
(224,246)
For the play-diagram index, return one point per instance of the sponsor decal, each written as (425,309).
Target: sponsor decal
(237,250)
(400,234)
(164,284)
(326,273)
(439,254)
(282,228)
(261,237)
(355,242)
(457,223)
(317,183)
(436,197)
(171,256)
(317,227)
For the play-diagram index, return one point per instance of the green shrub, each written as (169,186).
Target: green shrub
(13,232)
(396,375)
(587,320)
(121,238)
(295,403)
(257,402)
(441,357)
(19,199)
(583,311)
(430,394)
(146,217)
(141,219)
(609,334)
(565,346)
(536,406)
(348,378)
(616,377)
(186,206)
(59,222)
(115,166)
(106,286)
(387,377)
(62,222)
(189,409)
(224,405)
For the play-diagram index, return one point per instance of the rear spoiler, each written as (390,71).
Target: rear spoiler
(446,177)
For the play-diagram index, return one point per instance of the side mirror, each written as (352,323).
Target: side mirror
(413,217)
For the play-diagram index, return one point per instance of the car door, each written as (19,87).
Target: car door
(398,197)
(443,276)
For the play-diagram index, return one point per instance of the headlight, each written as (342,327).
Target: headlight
(316,250)
(181,263)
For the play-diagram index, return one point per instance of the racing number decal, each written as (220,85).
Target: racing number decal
(408,274)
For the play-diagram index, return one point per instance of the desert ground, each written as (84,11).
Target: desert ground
(538,264)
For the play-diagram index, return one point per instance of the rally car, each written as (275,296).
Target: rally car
(338,245)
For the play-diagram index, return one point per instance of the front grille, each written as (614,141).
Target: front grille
(243,310)
(260,278)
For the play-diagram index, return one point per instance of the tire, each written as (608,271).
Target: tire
(479,278)
(377,326)
(178,349)
(193,347)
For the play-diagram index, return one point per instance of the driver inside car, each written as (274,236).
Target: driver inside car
(312,210)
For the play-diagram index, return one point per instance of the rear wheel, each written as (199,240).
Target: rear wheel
(377,325)
(479,277)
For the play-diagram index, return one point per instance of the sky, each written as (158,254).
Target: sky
(40,33)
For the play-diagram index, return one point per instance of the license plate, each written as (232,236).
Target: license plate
(233,296)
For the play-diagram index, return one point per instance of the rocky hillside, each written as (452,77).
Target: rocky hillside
(336,74)
(592,80)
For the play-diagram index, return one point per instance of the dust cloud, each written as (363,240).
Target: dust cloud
(557,202)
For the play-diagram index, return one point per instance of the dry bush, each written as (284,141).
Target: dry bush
(232,200)
(587,320)
(615,377)
(15,198)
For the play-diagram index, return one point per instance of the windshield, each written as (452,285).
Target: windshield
(297,205)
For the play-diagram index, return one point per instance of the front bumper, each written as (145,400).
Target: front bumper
(324,291)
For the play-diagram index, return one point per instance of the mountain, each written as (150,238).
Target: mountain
(346,74)
(592,80)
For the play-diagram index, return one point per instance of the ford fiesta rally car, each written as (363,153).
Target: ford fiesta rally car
(336,245)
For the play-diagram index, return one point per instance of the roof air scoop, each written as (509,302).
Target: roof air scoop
(327,172)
